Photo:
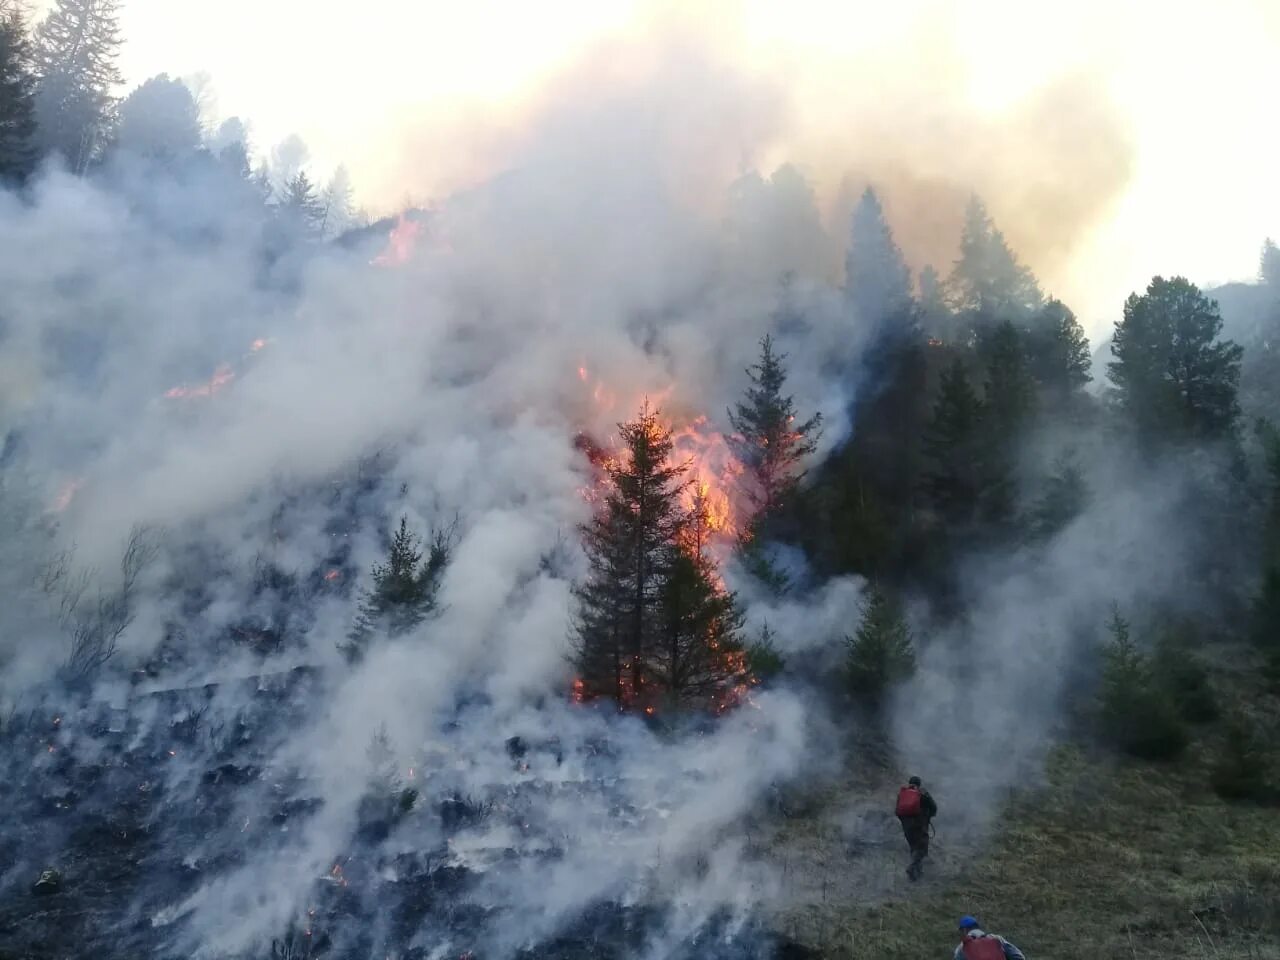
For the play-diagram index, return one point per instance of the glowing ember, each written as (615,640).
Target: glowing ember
(221,377)
(400,243)
(257,345)
(66,493)
(333,575)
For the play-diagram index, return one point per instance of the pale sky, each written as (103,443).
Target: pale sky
(1196,86)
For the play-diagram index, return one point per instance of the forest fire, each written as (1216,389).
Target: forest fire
(221,377)
(400,243)
(66,493)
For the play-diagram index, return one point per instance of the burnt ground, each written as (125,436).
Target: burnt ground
(125,809)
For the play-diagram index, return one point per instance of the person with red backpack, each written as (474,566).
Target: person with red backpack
(977,945)
(915,810)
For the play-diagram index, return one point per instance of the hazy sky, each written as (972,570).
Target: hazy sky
(398,89)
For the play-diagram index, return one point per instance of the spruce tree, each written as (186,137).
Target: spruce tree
(160,120)
(1138,715)
(404,590)
(880,655)
(336,201)
(936,318)
(769,443)
(1058,350)
(299,207)
(1007,406)
(1174,379)
(877,280)
(75,53)
(988,284)
(1063,498)
(953,478)
(17,99)
(631,544)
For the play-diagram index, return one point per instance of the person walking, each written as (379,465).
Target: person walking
(915,811)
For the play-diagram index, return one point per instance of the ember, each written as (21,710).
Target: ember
(400,243)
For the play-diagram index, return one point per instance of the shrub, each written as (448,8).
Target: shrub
(880,654)
(1242,769)
(1137,713)
(1184,676)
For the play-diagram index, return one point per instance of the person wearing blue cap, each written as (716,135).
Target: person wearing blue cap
(977,945)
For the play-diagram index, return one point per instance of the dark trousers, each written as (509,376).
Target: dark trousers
(916,830)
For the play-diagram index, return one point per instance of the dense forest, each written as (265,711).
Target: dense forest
(393,635)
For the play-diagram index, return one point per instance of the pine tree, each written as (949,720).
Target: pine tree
(1242,770)
(880,655)
(1007,406)
(404,590)
(1064,497)
(631,545)
(769,443)
(988,284)
(17,99)
(159,120)
(299,207)
(1138,716)
(1269,265)
(953,477)
(1174,378)
(75,54)
(1058,350)
(936,318)
(339,215)
(877,280)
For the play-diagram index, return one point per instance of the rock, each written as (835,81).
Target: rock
(50,882)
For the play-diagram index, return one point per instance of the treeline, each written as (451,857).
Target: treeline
(58,103)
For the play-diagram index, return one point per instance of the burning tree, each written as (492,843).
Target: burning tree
(653,623)
(404,589)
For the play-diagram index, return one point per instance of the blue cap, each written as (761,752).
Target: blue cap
(967,922)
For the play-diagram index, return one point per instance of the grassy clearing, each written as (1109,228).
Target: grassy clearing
(1113,858)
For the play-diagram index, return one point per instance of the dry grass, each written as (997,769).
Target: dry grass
(1111,860)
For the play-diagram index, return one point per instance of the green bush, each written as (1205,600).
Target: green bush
(880,654)
(763,659)
(1186,679)
(1242,770)
(1137,713)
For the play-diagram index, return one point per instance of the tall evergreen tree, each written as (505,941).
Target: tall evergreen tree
(404,590)
(880,655)
(75,54)
(159,120)
(1063,498)
(1174,378)
(336,200)
(769,443)
(299,207)
(1058,350)
(877,280)
(936,317)
(1269,265)
(1266,605)
(988,284)
(17,99)
(631,544)
(953,477)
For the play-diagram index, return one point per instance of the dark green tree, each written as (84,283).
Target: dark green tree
(159,120)
(877,280)
(880,655)
(769,442)
(1063,498)
(988,284)
(1137,713)
(75,55)
(1058,350)
(404,590)
(1174,378)
(936,318)
(953,445)
(631,544)
(299,207)
(1266,604)
(1008,405)
(1243,767)
(17,99)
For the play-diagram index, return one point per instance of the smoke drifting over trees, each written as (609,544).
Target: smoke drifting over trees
(655,422)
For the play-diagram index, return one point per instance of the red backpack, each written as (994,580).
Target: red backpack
(909,802)
(982,948)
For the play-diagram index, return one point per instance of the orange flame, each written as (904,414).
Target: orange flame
(66,493)
(400,243)
(221,377)
(333,574)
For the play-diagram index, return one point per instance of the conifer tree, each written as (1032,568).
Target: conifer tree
(75,53)
(631,544)
(1266,605)
(1269,265)
(988,284)
(336,201)
(953,477)
(1058,350)
(160,120)
(1064,497)
(877,280)
(17,99)
(404,590)
(299,206)
(880,655)
(1174,378)
(1007,406)
(936,318)
(769,443)
(1138,715)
